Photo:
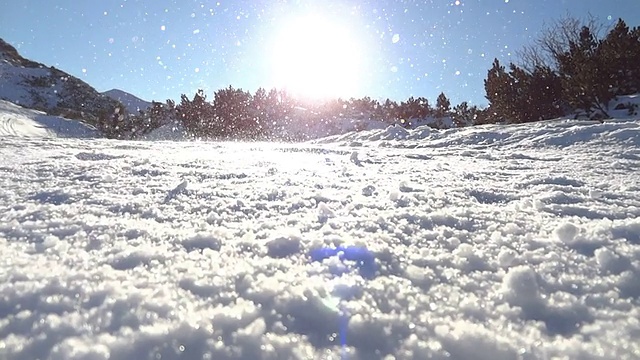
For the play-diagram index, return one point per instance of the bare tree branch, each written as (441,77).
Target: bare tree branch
(554,40)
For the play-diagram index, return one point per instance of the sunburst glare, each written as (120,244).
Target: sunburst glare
(316,57)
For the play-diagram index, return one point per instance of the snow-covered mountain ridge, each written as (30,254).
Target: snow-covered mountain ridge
(132,103)
(36,86)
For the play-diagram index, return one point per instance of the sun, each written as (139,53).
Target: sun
(316,57)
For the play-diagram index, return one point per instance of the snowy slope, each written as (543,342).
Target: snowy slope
(510,242)
(18,121)
(539,133)
(36,86)
(132,103)
(509,137)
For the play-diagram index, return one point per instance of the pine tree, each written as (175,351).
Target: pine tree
(364,107)
(260,111)
(498,91)
(194,114)
(464,115)
(585,77)
(112,122)
(390,110)
(620,51)
(520,96)
(544,94)
(234,117)
(412,109)
(443,105)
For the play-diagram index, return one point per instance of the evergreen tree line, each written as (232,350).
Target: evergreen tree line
(238,114)
(568,70)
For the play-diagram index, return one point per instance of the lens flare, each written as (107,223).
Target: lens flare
(354,257)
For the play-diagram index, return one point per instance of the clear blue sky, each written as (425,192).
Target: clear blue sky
(160,49)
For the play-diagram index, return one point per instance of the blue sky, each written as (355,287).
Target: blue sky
(161,49)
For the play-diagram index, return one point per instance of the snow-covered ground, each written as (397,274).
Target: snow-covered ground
(493,242)
(18,121)
(167,132)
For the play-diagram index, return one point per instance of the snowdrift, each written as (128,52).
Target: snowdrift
(623,129)
(18,121)
(167,132)
(544,133)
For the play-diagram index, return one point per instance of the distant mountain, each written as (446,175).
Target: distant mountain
(36,86)
(132,103)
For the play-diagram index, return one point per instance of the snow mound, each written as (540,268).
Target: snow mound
(622,129)
(168,132)
(557,133)
(18,121)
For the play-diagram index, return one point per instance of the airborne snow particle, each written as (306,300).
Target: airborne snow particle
(163,28)
(395,38)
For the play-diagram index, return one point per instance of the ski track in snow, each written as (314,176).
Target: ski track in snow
(22,122)
(13,125)
(507,248)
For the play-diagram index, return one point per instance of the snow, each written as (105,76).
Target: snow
(490,242)
(167,132)
(19,121)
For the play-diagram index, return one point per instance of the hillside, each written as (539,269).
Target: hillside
(36,86)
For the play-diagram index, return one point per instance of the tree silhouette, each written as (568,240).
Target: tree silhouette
(443,105)
(585,81)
